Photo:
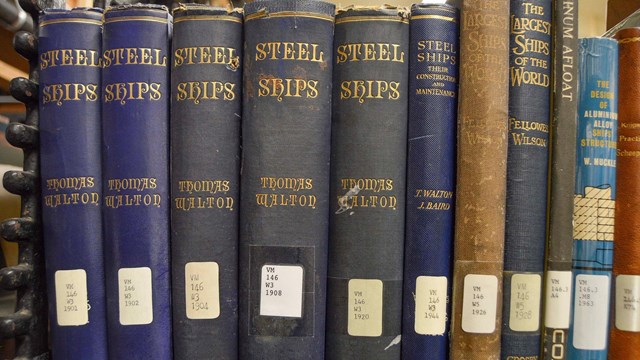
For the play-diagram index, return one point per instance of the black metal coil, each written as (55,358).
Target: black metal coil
(29,324)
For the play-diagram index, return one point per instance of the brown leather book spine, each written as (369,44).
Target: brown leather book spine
(625,328)
(481,189)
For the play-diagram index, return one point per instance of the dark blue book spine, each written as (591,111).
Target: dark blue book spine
(527,168)
(594,199)
(135,116)
(431,173)
(69,48)
(368,183)
(285,178)
(205,180)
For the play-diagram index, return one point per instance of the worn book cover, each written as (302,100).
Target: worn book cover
(286,133)
(625,327)
(206,107)
(135,152)
(69,45)
(368,172)
(527,175)
(481,180)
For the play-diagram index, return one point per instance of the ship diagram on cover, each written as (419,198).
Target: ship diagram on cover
(593,221)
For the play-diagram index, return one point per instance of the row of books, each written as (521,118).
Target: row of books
(362,195)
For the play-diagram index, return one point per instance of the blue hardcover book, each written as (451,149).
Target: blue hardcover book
(431,174)
(206,103)
(527,164)
(286,139)
(135,114)
(594,199)
(69,48)
(368,183)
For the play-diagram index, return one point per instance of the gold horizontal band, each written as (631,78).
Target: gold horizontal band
(442,8)
(77,11)
(259,15)
(629,40)
(136,18)
(71,20)
(128,7)
(207,17)
(74,11)
(439,17)
(371,18)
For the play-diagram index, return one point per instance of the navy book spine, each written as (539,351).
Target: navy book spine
(562,170)
(368,174)
(431,174)
(594,198)
(527,169)
(285,178)
(70,43)
(135,116)
(206,104)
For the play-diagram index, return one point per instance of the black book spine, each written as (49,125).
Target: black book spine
(206,103)
(562,174)
(368,163)
(527,164)
(285,179)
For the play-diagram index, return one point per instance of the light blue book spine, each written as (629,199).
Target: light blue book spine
(594,199)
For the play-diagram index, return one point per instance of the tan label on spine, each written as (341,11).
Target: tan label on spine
(71,297)
(431,305)
(135,295)
(524,312)
(202,290)
(479,304)
(365,307)
(628,303)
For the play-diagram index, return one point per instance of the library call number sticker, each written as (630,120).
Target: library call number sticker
(431,305)
(365,307)
(135,295)
(628,303)
(524,309)
(281,290)
(591,312)
(71,297)
(479,304)
(202,290)
(558,299)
